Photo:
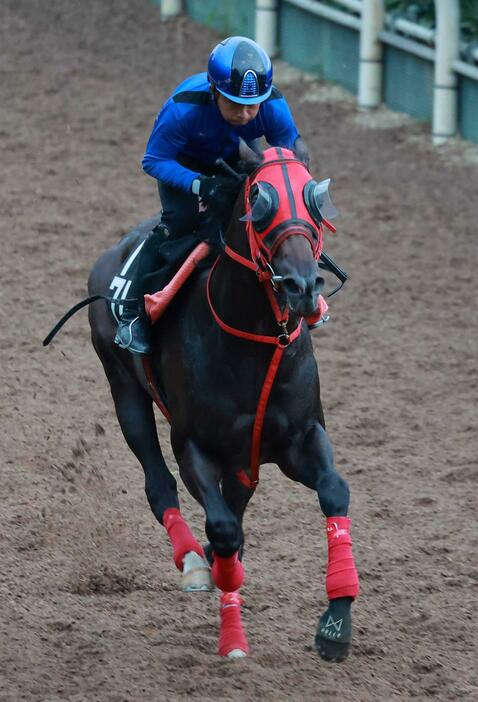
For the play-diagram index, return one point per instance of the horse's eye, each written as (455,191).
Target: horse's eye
(264,202)
(317,200)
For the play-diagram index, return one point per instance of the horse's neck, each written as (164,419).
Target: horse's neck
(239,299)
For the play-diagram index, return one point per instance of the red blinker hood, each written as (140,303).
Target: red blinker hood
(281,169)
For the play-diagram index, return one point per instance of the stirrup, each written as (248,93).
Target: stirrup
(132,335)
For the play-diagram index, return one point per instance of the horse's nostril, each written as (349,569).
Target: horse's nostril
(319,283)
(291,287)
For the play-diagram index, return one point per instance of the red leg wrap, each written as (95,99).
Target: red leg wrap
(181,537)
(232,634)
(342,577)
(228,573)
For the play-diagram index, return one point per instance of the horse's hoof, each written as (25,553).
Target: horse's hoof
(196,574)
(332,651)
(197,580)
(236,653)
(334,633)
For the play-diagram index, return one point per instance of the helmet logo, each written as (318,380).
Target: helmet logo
(249,85)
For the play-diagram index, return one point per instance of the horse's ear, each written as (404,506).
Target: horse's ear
(250,156)
(249,165)
(264,203)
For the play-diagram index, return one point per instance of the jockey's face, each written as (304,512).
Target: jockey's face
(234,113)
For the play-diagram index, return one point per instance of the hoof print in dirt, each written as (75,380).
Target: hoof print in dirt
(334,635)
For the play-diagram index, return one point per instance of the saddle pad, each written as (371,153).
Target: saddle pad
(121,283)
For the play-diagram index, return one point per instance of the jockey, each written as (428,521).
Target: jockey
(218,114)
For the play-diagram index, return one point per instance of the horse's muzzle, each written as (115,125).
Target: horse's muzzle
(302,292)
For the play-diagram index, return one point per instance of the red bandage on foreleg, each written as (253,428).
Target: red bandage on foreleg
(231,635)
(228,573)
(181,537)
(342,577)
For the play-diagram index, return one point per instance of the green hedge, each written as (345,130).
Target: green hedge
(423,12)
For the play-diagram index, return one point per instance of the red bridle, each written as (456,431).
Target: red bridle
(290,216)
(287,176)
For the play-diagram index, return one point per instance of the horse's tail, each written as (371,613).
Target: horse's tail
(79,305)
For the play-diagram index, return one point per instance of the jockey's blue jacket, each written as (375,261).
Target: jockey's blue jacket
(191,126)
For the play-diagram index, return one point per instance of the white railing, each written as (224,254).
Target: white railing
(440,46)
(169,8)
(410,29)
(352,5)
(327,12)
(267,23)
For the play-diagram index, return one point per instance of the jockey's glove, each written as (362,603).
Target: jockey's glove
(218,191)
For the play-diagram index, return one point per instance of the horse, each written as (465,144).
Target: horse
(233,364)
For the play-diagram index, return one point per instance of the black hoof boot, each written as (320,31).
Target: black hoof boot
(133,334)
(334,633)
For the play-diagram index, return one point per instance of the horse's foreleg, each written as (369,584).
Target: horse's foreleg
(136,417)
(237,497)
(223,528)
(310,461)
(134,410)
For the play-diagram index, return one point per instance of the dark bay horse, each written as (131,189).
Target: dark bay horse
(235,365)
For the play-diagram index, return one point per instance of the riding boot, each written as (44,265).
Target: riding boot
(134,332)
(134,329)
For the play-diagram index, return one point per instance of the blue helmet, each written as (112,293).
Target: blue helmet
(241,70)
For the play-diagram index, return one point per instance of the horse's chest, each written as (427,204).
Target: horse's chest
(282,414)
(230,390)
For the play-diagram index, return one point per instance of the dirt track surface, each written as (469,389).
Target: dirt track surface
(89,600)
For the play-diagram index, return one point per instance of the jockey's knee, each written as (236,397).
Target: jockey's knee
(225,534)
(180,210)
(179,224)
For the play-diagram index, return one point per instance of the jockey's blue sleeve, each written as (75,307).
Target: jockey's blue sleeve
(190,126)
(168,139)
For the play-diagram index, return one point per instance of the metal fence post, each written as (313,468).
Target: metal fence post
(447,51)
(266,25)
(170,8)
(370,66)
